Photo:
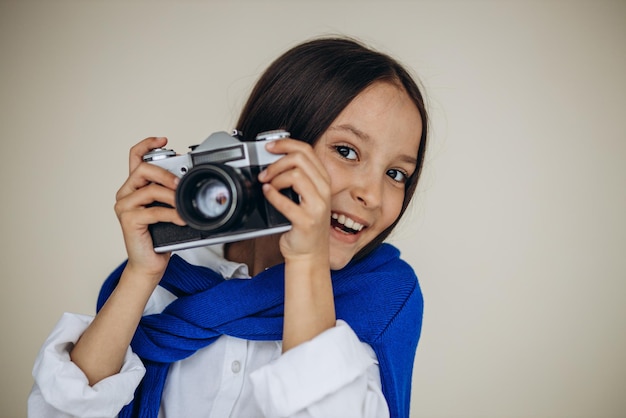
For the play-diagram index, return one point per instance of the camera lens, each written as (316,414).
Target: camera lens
(212,197)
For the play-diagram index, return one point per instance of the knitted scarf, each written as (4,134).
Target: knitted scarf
(378,296)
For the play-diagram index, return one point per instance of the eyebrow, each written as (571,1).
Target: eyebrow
(365,137)
(350,128)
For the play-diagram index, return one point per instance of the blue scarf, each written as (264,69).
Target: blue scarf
(378,296)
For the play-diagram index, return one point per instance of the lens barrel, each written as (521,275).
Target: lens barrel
(211,197)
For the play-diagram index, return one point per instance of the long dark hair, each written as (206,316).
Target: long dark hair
(306,88)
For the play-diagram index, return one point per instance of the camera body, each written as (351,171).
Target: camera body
(219,195)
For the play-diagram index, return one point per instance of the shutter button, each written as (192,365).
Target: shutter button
(235,367)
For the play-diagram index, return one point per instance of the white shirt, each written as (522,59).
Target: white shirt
(333,375)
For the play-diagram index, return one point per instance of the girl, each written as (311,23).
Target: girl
(329,322)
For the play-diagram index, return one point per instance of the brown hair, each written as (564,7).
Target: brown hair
(306,88)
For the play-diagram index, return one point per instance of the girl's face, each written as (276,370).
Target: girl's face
(369,151)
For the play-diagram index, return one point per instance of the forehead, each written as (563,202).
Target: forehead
(384,115)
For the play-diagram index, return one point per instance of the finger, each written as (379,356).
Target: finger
(140,218)
(145,174)
(135,209)
(305,162)
(313,199)
(281,203)
(310,214)
(146,196)
(142,148)
(291,146)
(303,184)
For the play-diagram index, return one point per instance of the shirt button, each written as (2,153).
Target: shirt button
(235,367)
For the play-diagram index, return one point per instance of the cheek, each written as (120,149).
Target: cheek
(337,176)
(392,207)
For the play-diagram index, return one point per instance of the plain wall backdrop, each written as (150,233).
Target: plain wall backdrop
(517,232)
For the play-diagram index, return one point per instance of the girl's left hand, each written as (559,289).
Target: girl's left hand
(309,304)
(300,169)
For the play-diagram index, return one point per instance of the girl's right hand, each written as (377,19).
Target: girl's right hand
(100,351)
(146,183)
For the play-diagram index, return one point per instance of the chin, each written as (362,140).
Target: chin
(339,258)
(338,264)
(343,248)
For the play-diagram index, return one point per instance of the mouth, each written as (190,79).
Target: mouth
(344,224)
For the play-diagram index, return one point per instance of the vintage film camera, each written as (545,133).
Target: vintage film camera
(219,195)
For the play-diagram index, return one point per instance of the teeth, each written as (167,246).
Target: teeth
(347,222)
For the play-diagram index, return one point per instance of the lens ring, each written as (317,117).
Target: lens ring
(219,182)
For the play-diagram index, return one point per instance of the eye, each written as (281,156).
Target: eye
(397,175)
(346,152)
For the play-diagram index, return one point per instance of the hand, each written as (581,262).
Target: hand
(147,183)
(100,351)
(309,305)
(300,169)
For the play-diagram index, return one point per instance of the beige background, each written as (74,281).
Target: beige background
(517,234)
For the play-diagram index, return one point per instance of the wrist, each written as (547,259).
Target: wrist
(313,262)
(141,279)
(309,301)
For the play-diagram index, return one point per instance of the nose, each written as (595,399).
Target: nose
(367,191)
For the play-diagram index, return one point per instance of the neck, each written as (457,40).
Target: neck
(258,253)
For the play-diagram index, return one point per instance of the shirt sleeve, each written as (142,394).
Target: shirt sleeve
(61,389)
(333,375)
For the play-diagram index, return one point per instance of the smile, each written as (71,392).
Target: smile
(345,224)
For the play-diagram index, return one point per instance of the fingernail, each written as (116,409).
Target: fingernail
(270,145)
(262,175)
